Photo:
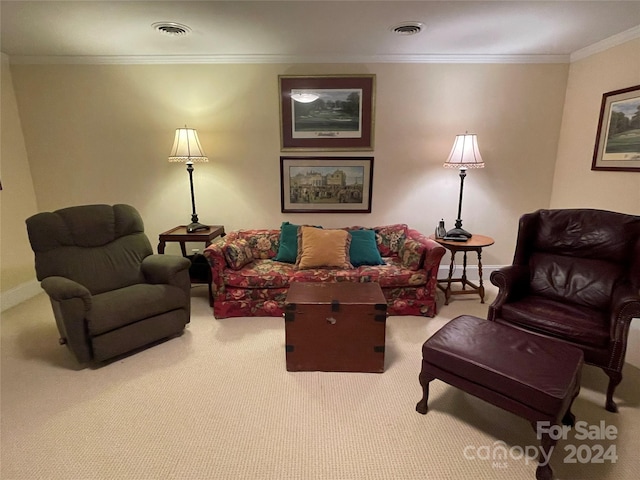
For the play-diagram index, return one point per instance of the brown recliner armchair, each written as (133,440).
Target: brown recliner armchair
(110,295)
(575,277)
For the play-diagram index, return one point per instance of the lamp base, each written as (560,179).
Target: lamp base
(195,226)
(459,234)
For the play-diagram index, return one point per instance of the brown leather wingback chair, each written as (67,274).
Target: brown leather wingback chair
(575,277)
(110,295)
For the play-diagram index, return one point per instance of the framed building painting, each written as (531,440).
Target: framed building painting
(618,139)
(326,184)
(331,112)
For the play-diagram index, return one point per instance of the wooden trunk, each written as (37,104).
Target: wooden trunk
(335,327)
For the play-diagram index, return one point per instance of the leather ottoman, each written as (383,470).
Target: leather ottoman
(530,376)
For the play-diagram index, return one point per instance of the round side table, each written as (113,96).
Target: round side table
(474,244)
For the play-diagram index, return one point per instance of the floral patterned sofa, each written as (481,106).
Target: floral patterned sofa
(249,280)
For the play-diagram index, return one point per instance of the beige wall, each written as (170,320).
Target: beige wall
(575,185)
(102,134)
(17,199)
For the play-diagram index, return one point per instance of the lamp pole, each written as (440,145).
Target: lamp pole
(463,174)
(195,225)
(194,215)
(459,232)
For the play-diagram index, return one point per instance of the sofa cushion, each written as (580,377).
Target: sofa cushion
(263,242)
(326,275)
(389,238)
(411,254)
(392,274)
(260,274)
(323,248)
(237,254)
(364,249)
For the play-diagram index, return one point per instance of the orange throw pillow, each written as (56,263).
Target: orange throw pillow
(319,248)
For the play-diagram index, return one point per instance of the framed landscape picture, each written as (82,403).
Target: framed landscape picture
(326,184)
(618,139)
(331,112)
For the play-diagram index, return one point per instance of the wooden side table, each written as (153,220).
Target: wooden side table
(475,244)
(179,234)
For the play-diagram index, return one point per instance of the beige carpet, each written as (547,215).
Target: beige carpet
(218,403)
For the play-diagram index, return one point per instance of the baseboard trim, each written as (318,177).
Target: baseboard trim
(19,294)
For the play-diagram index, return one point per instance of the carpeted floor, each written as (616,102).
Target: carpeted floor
(218,403)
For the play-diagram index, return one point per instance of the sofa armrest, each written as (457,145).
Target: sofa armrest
(215,256)
(512,282)
(432,250)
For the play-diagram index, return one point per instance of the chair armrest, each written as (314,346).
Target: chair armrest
(625,306)
(61,288)
(167,269)
(512,282)
(70,302)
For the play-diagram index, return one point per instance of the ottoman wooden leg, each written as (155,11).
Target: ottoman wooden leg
(425,379)
(544,470)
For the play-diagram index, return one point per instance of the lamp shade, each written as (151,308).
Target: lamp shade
(186,147)
(465,153)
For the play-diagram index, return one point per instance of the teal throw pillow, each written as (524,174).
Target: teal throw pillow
(288,249)
(364,249)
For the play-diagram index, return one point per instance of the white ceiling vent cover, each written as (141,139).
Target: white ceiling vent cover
(171,28)
(407,28)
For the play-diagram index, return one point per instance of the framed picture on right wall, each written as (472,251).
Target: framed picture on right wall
(618,140)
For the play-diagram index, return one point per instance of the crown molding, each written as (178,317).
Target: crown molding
(271,59)
(585,52)
(606,44)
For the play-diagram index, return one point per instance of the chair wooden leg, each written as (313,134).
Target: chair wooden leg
(569,418)
(614,380)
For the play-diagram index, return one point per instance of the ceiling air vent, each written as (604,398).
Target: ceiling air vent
(171,28)
(407,28)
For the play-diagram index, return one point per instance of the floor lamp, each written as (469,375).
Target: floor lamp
(464,154)
(187,148)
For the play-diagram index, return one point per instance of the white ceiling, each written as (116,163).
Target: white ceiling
(310,31)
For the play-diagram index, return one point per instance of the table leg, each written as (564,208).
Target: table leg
(183,249)
(481,286)
(161,246)
(447,292)
(464,271)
